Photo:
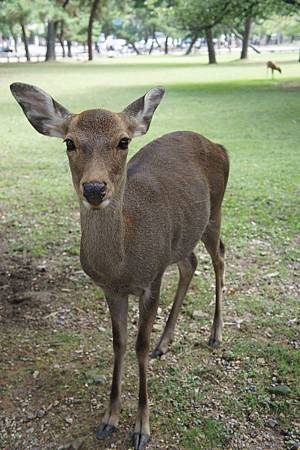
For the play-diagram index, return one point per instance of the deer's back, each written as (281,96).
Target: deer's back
(171,185)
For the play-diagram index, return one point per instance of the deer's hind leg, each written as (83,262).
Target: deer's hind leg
(187,269)
(216,249)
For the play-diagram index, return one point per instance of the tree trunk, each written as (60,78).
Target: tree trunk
(151,47)
(61,41)
(190,47)
(25,41)
(246,38)
(90,28)
(69,45)
(15,38)
(166,45)
(228,39)
(135,48)
(155,38)
(61,38)
(210,46)
(51,38)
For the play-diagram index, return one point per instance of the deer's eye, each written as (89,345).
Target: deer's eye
(123,144)
(70,145)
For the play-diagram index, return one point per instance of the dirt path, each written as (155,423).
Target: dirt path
(55,365)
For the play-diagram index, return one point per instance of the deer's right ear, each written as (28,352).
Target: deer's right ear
(141,111)
(43,112)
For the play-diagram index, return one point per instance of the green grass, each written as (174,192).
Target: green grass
(257,120)
(199,398)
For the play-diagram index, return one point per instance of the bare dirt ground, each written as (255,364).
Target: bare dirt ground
(56,357)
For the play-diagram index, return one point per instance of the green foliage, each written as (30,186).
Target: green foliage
(13,13)
(196,15)
(139,20)
(258,11)
(287,25)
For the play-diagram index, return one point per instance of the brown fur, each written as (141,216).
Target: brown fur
(273,66)
(162,203)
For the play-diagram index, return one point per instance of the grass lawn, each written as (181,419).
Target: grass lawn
(55,337)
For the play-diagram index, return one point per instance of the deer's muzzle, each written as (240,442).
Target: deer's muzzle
(94,192)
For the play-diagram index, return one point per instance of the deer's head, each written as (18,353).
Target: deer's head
(96,140)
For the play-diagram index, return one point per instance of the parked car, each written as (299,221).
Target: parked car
(5,50)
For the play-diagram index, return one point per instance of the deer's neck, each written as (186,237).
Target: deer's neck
(102,238)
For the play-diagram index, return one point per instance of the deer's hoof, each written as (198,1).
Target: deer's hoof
(156,353)
(140,440)
(105,430)
(213,342)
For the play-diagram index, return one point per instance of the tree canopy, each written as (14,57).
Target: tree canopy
(140,21)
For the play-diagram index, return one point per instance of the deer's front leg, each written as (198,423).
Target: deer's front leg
(118,306)
(148,308)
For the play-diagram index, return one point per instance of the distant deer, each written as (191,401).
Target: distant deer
(137,219)
(272,66)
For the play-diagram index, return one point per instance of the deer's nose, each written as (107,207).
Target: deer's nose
(94,192)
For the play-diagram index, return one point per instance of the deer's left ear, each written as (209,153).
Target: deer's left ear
(45,114)
(141,111)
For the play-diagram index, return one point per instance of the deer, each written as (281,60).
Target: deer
(137,218)
(272,66)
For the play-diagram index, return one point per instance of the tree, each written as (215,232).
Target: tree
(292,3)
(210,45)
(51,38)
(246,37)
(248,12)
(73,25)
(55,13)
(199,17)
(133,23)
(17,12)
(94,7)
(165,20)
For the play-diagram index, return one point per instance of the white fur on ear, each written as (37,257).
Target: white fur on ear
(152,99)
(141,111)
(45,114)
